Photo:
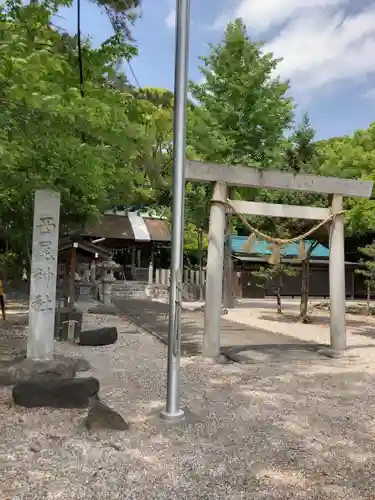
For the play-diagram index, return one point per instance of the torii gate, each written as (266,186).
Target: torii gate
(223,176)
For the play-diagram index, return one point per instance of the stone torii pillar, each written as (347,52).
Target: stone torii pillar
(337,289)
(214,283)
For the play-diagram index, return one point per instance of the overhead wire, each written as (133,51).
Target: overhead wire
(80,56)
(132,72)
(112,20)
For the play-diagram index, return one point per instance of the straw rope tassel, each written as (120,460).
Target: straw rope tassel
(249,245)
(275,257)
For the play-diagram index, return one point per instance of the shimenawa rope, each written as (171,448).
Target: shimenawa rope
(276,243)
(282,241)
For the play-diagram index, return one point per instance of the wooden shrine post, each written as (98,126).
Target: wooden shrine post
(225,175)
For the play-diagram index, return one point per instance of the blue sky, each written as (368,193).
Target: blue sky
(328,49)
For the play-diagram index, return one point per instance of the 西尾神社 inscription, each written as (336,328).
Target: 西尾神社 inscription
(43,275)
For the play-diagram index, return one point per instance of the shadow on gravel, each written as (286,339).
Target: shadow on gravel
(301,429)
(153,317)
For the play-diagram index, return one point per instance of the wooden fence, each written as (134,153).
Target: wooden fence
(162,276)
(190,277)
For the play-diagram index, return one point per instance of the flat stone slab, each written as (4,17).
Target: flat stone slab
(64,393)
(110,309)
(239,342)
(266,353)
(328,352)
(100,416)
(82,365)
(28,370)
(101,336)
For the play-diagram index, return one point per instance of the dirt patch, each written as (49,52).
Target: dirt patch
(13,332)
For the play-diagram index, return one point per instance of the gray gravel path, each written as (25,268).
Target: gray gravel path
(299,429)
(238,341)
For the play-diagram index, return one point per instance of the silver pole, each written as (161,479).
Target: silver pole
(173,411)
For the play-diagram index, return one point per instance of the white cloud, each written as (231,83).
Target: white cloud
(170,20)
(319,40)
(370,95)
(261,15)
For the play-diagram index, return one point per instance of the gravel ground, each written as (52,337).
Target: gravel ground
(360,329)
(294,429)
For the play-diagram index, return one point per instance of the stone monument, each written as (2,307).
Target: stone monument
(41,368)
(42,304)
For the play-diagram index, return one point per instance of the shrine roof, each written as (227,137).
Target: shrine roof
(291,250)
(68,242)
(122,227)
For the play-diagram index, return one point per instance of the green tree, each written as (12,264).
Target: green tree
(158,105)
(196,221)
(368,270)
(50,136)
(243,110)
(300,157)
(300,153)
(273,276)
(352,157)
(121,13)
(241,113)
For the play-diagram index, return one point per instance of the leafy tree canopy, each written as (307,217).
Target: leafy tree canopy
(243,108)
(87,148)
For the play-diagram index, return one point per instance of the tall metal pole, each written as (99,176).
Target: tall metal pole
(173,411)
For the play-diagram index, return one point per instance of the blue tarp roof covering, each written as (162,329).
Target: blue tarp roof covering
(290,250)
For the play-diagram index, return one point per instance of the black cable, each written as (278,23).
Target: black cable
(80,58)
(112,20)
(132,71)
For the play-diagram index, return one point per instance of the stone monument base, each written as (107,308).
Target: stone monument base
(57,393)
(29,370)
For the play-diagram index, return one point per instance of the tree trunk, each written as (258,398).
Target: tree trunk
(29,256)
(72,276)
(200,251)
(278,298)
(305,284)
(278,294)
(5,273)
(305,291)
(368,300)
